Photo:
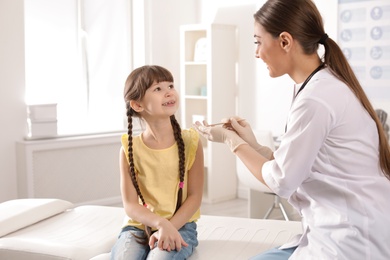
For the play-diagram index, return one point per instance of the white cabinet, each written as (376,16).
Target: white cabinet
(208,90)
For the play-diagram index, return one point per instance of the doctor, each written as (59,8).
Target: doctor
(333,163)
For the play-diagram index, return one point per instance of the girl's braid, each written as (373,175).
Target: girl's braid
(180,145)
(130,151)
(142,240)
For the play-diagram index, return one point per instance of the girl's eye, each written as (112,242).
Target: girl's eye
(171,86)
(157,89)
(257,42)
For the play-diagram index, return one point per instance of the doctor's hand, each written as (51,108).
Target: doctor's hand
(244,130)
(219,134)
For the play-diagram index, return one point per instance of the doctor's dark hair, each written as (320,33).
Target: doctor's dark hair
(303,21)
(136,85)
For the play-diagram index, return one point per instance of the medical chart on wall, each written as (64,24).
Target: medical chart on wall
(364,37)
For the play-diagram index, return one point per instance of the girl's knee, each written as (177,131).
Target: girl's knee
(126,247)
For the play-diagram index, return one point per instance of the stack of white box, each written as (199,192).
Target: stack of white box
(42,120)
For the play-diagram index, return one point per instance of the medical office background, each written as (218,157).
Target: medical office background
(44,62)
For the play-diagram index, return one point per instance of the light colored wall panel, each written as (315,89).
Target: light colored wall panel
(80,170)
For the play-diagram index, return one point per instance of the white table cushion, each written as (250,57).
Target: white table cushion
(20,213)
(78,234)
(48,229)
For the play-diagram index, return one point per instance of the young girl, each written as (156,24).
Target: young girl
(161,170)
(333,162)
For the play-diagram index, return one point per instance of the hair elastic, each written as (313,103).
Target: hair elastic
(145,205)
(181,185)
(323,39)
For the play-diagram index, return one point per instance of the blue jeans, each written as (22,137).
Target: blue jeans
(127,248)
(275,254)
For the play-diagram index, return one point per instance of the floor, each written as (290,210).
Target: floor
(232,208)
(240,208)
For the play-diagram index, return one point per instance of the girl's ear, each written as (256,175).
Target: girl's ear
(286,41)
(136,106)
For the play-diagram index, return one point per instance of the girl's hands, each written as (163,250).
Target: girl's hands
(167,238)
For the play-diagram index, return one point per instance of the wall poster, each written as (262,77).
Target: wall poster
(364,37)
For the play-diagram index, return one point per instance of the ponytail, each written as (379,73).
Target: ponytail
(339,66)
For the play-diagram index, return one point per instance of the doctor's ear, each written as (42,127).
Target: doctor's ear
(285,40)
(136,106)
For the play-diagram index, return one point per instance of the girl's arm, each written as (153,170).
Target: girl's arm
(194,189)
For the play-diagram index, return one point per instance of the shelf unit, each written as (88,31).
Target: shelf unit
(208,90)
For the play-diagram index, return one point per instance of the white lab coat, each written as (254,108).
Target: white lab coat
(327,166)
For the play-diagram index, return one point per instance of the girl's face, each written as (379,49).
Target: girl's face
(270,50)
(161,99)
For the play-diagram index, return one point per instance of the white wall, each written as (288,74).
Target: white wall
(13,112)
(163,20)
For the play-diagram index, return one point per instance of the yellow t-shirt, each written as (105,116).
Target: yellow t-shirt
(158,174)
